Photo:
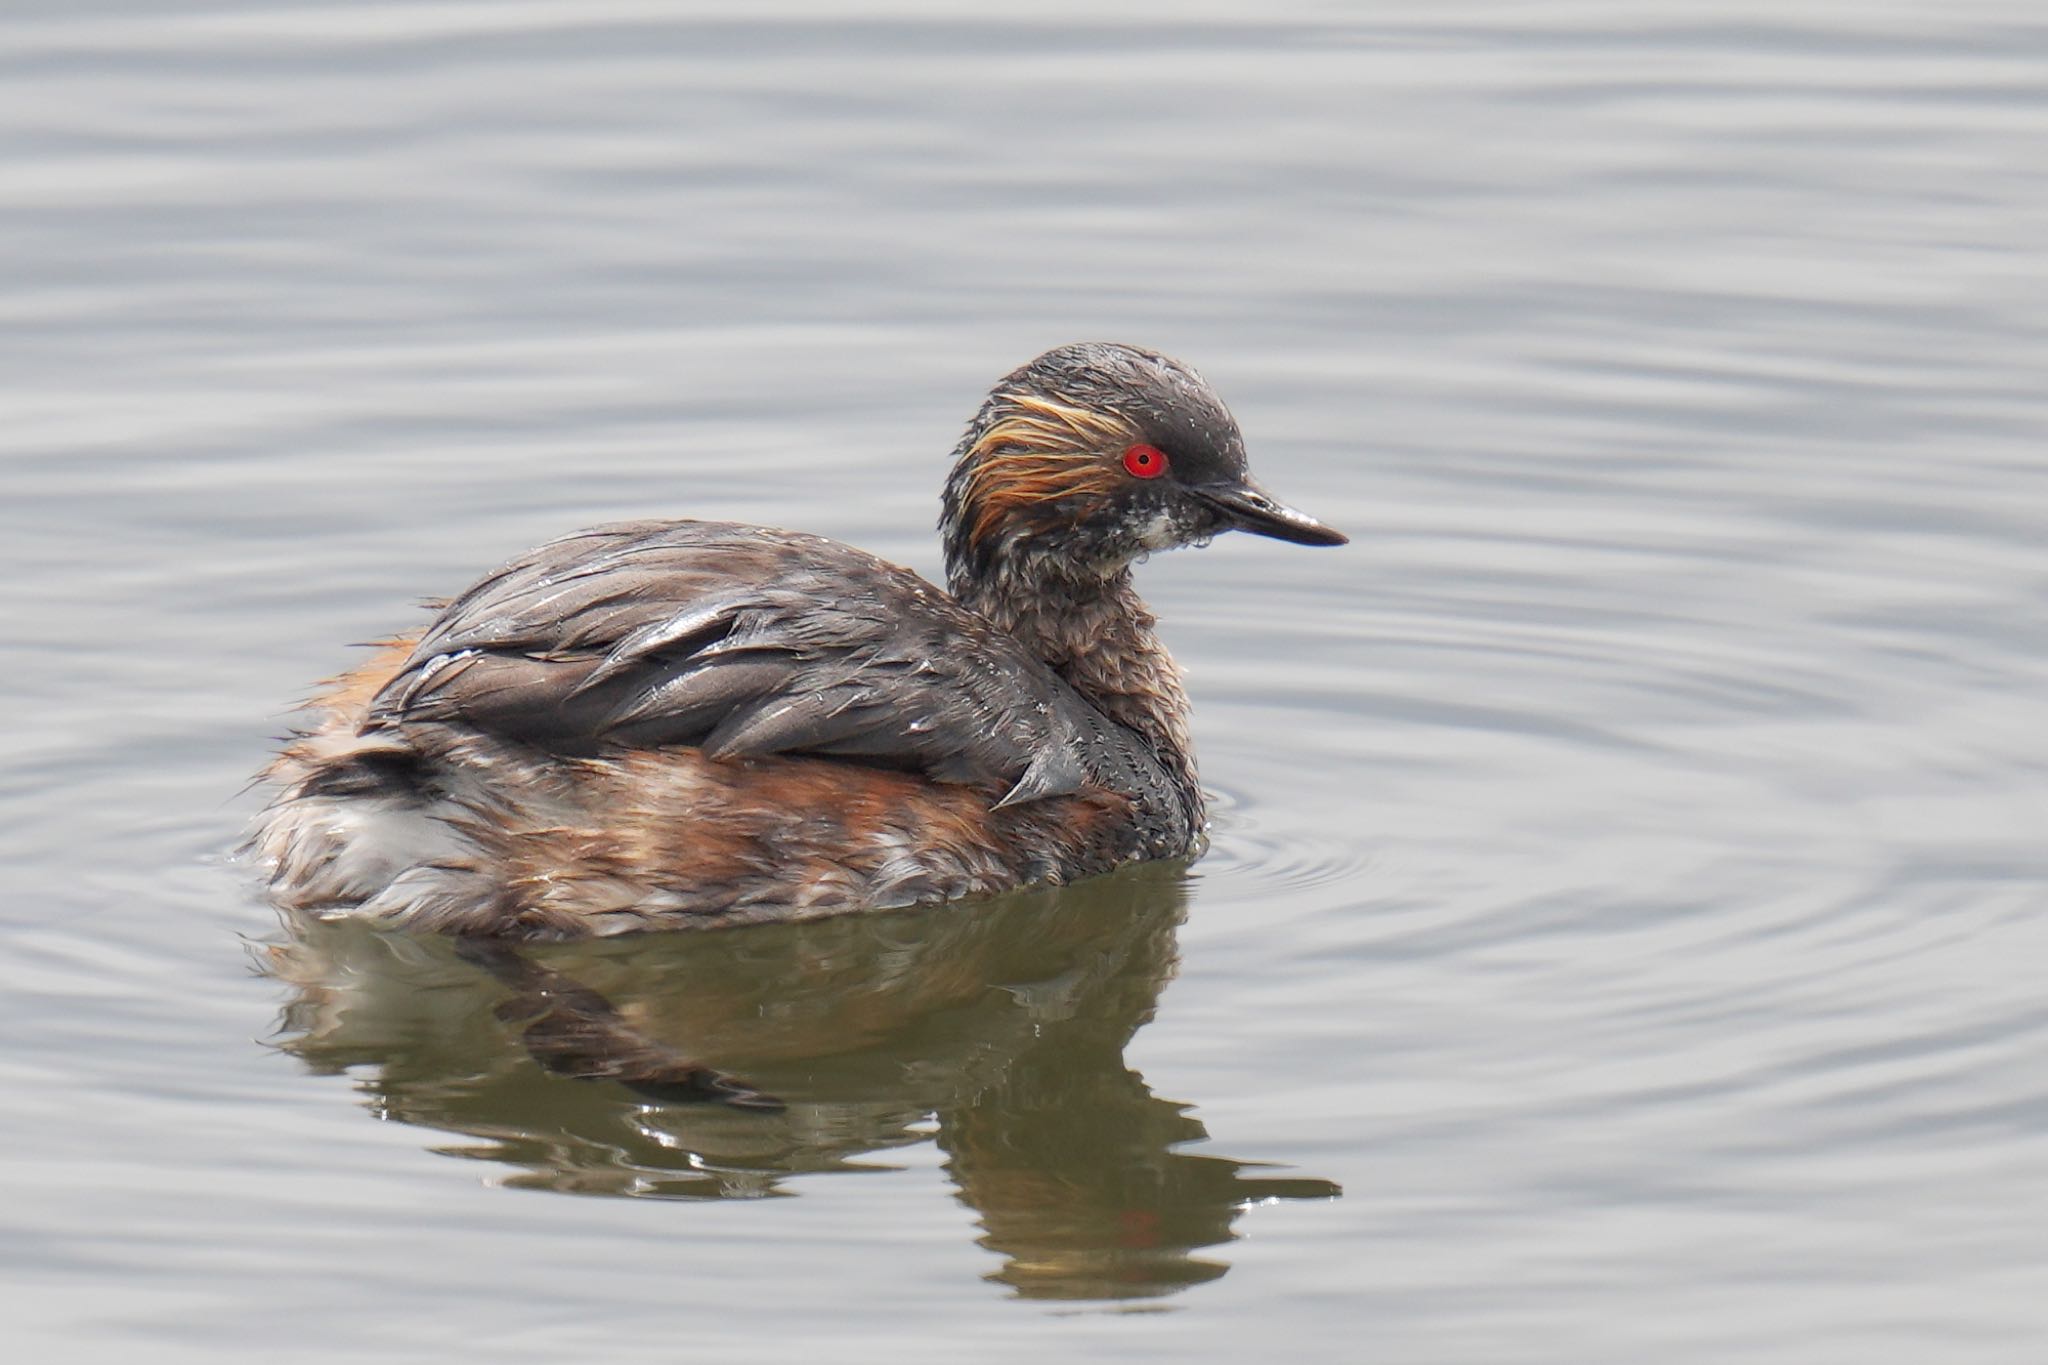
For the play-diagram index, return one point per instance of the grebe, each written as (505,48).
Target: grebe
(660,724)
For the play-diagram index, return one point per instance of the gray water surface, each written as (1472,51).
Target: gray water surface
(1622,932)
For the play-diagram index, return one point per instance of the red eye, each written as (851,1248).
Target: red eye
(1145,462)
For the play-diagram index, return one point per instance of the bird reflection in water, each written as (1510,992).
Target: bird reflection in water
(718,1065)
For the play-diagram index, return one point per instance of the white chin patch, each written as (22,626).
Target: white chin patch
(1161,531)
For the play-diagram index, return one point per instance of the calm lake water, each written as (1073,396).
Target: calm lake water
(1623,932)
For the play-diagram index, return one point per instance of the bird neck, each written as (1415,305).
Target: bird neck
(1096,633)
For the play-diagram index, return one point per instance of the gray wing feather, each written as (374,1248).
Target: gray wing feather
(746,641)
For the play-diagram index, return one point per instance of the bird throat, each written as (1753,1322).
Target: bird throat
(1098,635)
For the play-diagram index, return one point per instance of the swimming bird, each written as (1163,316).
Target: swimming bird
(660,724)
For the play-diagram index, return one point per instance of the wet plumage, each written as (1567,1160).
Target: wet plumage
(659,723)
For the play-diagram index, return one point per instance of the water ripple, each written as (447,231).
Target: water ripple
(1626,870)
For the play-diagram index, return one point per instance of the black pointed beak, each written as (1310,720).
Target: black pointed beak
(1247,507)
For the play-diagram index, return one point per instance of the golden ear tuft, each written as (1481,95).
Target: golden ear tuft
(1039,450)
